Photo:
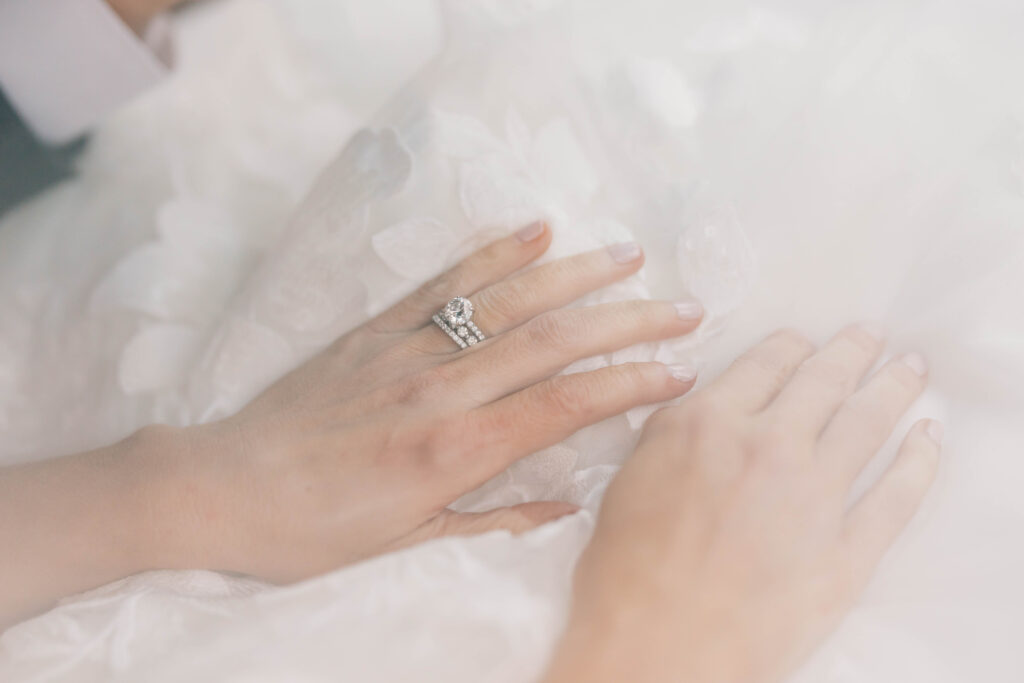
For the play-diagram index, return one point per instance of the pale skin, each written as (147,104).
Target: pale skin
(723,550)
(138,13)
(360,450)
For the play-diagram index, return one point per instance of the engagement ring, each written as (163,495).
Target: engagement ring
(456,321)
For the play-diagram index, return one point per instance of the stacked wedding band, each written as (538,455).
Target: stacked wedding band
(456,321)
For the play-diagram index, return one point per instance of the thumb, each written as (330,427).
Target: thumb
(517,518)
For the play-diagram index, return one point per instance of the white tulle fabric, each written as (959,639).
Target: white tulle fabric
(789,163)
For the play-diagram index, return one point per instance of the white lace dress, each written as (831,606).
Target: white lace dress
(788,163)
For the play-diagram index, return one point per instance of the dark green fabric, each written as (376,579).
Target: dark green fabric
(26,165)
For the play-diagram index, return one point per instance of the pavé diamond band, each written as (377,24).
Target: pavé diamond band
(455,319)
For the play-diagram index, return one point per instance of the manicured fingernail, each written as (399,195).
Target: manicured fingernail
(530,232)
(625,252)
(689,309)
(935,431)
(683,372)
(916,362)
(873,330)
(566,509)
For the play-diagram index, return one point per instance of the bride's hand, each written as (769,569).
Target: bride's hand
(361,449)
(725,549)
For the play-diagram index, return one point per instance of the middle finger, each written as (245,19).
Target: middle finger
(511,302)
(548,343)
(824,381)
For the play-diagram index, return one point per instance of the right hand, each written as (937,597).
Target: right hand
(725,551)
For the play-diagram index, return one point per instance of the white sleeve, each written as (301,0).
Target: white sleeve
(65,64)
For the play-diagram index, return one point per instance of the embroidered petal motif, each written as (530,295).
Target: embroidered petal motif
(462,137)
(243,360)
(494,192)
(716,262)
(157,357)
(561,163)
(153,279)
(373,166)
(380,160)
(658,90)
(415,248)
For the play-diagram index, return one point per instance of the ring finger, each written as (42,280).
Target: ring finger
(490,264)
(551,341)
(511,302)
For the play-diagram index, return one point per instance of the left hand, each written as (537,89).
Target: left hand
(360,450)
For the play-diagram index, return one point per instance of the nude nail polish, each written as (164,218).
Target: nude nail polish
(683,372)
(689,309)
(625,252)
(530,232)
(916,362)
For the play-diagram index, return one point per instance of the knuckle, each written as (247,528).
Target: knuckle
(393,356)
(492,257)
(705,427)
(774,437)
(634,377)
(831,373)
(552,330)
(442,446)
(777,445)
(564,397)
(422,385)
(443,287)
(704,410)
(628,381)
(774,372)
(871,417)
(421,344)
(859,336)
(793,339)
(907,382)
(506,301)
(647,313)
(701,422)
(498,422)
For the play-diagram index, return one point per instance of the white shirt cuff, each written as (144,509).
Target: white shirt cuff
(65,64)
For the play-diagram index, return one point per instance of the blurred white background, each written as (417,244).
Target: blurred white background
(792,162)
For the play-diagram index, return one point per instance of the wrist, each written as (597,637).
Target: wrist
(179,504)
(149,464)
(596,650)
(81,521)
(617,644)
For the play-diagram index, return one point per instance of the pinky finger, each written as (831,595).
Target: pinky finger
(880,516)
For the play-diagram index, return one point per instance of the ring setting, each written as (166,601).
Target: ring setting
(456,320)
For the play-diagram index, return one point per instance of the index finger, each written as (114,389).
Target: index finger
(757,376)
